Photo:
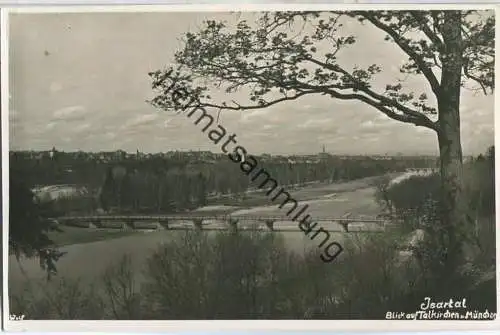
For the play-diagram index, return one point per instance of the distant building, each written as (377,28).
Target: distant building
(65,199)
(57,192)
(53,153)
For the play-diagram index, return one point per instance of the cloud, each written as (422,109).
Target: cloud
(268,126)
(55,87)
(166,123)
(372,139)
(483,128)
(50,125)
(368,124)
(140,120)
(424,130)
(81,128)
(316,123)
(71,113)
(109,135)
(248,116)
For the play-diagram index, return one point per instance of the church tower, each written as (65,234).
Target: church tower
(52,153)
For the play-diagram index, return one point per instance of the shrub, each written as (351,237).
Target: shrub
(407,198)
(416,200)
(370,279)
(121,291)
(29,227)
(233,275)
(63,299)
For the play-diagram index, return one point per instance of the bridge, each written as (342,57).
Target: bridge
(423,170)
(220,222)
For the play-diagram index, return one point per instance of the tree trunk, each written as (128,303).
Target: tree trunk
(451,177)
(450,147)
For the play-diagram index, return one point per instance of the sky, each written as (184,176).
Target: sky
(78,81)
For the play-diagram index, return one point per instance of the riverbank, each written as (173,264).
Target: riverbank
(90,256)
(324,199)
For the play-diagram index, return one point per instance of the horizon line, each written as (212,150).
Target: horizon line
(218,153)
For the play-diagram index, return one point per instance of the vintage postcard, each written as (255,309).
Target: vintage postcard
(249,167)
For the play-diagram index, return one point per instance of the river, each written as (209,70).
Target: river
(91,259)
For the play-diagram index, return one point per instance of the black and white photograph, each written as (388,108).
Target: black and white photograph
(285,164)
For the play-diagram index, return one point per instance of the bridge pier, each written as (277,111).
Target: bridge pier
(129,224)
(270,224)
(233,224)
(164,223)
(198,223)
(345,225)
(96,223)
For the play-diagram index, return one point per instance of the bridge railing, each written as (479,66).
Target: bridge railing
(232,221)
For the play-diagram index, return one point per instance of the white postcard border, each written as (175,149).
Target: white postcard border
(219,325)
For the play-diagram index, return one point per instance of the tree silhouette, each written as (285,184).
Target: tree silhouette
(276,60)
(28,226)
(202,190)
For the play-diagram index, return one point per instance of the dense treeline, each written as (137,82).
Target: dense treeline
(187,180)
(409,199)
(416,201)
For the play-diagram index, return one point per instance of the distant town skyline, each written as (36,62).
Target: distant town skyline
(79,82)
(213,152)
